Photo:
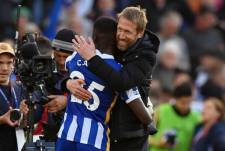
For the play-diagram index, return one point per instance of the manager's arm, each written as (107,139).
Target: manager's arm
(131,74)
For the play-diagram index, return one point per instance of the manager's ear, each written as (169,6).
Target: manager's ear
(140,34)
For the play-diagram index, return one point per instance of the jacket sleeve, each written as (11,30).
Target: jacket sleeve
(132,73)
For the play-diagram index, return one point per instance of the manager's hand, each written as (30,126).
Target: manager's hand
(75,87)
(57,103)
(85,47)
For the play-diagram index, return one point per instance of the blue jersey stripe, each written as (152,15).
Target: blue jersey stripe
(72,129)
(79,128)
(93,133)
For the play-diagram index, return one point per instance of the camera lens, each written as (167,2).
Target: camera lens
(15,115)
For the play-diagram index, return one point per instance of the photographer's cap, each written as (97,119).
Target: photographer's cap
(6,48)
(63,41)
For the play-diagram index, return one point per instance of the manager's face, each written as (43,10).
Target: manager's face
(127,34)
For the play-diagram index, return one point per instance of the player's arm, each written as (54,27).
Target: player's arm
(133,73)
(133,99)
(141,112)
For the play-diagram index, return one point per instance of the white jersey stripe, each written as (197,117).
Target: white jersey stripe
(99,137)
(72,129)
(85,130)
(62,126)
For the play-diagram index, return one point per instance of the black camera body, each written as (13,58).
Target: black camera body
(34,69)
(15,115)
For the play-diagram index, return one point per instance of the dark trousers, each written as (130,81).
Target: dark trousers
(131,144)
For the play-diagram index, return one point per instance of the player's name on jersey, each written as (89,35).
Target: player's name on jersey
(81,63)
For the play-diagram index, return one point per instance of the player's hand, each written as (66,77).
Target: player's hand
(86,48)
(75,87)
(57,103)
(5,119)
(24,107)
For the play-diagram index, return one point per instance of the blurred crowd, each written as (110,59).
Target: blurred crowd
(191,32)
(192,46)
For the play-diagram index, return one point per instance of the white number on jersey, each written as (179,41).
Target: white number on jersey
(92,86)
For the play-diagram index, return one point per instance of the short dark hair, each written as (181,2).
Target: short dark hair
(182,90)
(104,33)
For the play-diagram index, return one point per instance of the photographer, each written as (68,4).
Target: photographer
(11,95)
(175,122)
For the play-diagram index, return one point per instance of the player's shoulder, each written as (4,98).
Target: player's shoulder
(109,59)
(104,55)
(69,58)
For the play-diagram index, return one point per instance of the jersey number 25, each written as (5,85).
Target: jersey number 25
(94,85)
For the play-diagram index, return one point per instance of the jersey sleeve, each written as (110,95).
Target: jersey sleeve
(130,95)
(68,59)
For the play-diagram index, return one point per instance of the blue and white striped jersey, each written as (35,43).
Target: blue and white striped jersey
(87,121)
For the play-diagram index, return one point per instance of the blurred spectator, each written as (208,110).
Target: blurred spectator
(212,61)
(156,93)
(159,94)
(181,77)
(6,23)
(103,8)
(156,8)
(120,5)
(72,20)
(203,37)
(210,134)
(209,81)
(24,19)
(170,58)
(194,5)
(31,27)
(83,7)
(170,25)
(82,26)
(175,122)
(215,86)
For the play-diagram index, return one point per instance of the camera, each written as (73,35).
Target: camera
(34,69)
(15,115)
(170,137)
